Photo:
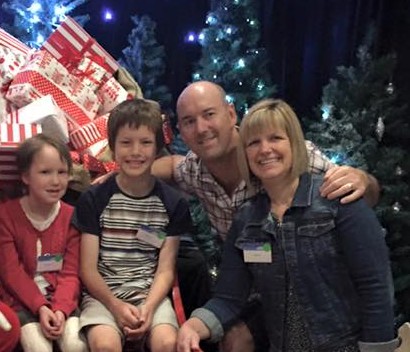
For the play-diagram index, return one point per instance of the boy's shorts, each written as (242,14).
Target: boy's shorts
(93,312)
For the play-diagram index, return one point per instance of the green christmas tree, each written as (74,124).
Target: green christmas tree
(231,55)
(144,59)
(364,124)
(35,20)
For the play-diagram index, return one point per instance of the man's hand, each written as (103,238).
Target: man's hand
(350,184)
(103,178)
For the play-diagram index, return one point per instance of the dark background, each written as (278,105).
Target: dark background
(306,39)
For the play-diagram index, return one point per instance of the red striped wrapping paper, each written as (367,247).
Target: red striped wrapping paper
(11,135)
(91,138)
(8,41)
(69,43)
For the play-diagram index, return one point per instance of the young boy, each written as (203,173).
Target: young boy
(130,226)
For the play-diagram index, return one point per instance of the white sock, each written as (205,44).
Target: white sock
(71,341)
(33,340)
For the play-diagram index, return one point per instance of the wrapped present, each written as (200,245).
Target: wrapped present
(90,138)
(8,41)
(11,135)
(43,111)
(9,66)
(111,93)
(43,75)
(92,164)
(69,43)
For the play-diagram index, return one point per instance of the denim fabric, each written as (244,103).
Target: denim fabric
(335,256)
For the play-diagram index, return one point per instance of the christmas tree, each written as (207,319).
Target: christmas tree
(364,124)
(35,20)
(231,55)
(144,59)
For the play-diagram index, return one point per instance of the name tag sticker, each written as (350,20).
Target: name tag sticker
(49,262)
(153,237)
(257,253)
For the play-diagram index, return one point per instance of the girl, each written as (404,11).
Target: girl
(39,250)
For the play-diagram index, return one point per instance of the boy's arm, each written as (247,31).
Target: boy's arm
(125,314)
(163,280)
(89,273)
(165,273)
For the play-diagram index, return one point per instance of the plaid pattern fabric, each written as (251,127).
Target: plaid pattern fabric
(193,177)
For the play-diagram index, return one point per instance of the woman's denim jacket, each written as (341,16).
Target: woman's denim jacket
(334,255)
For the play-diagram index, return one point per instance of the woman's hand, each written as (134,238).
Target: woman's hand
(188,339)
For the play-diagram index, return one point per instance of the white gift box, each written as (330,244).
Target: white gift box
(43,111)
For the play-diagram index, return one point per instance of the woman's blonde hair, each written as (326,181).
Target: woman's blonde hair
(273,114)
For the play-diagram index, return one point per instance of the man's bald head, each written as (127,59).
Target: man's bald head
(201,88)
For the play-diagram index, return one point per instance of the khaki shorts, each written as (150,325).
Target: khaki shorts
(93,312)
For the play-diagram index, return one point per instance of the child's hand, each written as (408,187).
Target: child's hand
(126,314)
(145,319)
(50,323)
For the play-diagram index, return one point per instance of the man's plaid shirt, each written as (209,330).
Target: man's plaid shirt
(193,177)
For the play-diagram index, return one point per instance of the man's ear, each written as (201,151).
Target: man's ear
(232,113)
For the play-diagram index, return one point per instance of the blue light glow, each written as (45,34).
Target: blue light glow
(35,7)
(326,111)
(108,15)
(191,37)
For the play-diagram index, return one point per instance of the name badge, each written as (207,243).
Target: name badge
(151,236)
(256,253)
(49,262)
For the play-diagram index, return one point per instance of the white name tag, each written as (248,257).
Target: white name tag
(257,253)
(153,237)
(49,262)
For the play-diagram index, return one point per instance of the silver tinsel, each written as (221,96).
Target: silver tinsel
(379,129)
(390,88)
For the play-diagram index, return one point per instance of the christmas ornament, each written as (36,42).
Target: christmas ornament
(390,88)
(380,129)
(396,207)
(399,171)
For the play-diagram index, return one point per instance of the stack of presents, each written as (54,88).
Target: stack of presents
(66,89)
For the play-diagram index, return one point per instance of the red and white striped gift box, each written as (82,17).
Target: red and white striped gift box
(70,42)
(92,137)
(12,43)
(11,135)
(43,111)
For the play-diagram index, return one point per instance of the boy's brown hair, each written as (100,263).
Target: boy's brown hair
(135,113)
